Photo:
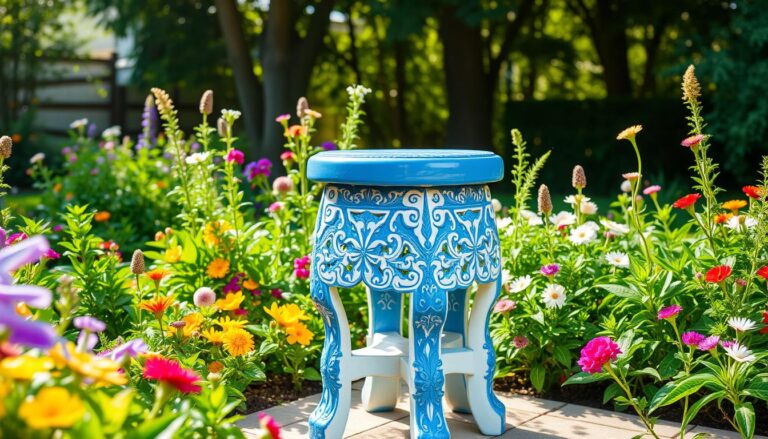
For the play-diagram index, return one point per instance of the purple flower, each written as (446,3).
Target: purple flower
(329,146)
(709,343)
(692,338)
(233,285)
(194,147)
(3,237)
(58,228)
(89,323)
(254,169)
(24,332)
(92,131)
(550,270)
(86,341)
(130,349)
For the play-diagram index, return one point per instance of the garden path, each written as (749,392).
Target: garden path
(527,417)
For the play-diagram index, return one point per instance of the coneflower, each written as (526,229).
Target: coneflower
(691,87)
(206,103)
(301,106)
(545,200)
(137,262)
(579,178)
(6,146)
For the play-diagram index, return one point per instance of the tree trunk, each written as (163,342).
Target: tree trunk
(469,90)
(610,39)
(249,93)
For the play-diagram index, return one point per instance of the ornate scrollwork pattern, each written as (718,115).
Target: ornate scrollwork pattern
(397,238)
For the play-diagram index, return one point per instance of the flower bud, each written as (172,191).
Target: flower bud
(545,201)
(301,106)
(6,146)
(221,127)
(206,103)
(579,178)
(137,262)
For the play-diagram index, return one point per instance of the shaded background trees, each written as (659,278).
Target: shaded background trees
(453,73)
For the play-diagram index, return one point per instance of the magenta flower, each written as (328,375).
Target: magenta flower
(268,423)
(692,338)
(236,156)
(709,343)
(282,118)
(652,189)
(329,146)
(550,270)
(254,169)
(16,237)
(727,343)
(520,341)
(669,312)
(504,306)
(24,332)
(598,352)
(277,293)
(51,254)
(275,207)
(233,285)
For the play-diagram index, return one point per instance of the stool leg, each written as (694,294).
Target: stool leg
(425,375)
(329,418)
(385,314)
(488,411)
(455,384)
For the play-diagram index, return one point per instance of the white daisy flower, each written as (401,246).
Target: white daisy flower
(736,221)
(571,199)
(626,186)
(583,234)
(111,132)
(739,353)
(39,157)
(741,324)
(79,123)
(563,219)
(520,284)
(592,225)
(533,218)
(618,259)
(197,158)
(553,296)
(614,227)
(588,208)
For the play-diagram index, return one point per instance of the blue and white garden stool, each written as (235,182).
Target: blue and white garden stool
(417,222)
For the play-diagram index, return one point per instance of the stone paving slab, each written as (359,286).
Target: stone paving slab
(527,418)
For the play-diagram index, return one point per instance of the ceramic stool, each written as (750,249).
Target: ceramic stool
(415,224)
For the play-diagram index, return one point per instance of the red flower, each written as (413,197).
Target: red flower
(752,191)
(170,372)
(765,320)
(763,272)
(687,201)
(718,274)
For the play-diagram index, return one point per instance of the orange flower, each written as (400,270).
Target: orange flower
(230,302)
(218,268)
(238,342)
(734,205)
(157,275)
(23,310)
(102,216)
(173,254)
(295,131)
(249,284)
(157,305)
(215,367)
(57,187)
(722,218)
(159,236)
(215,230)
(16,137)
(298,333)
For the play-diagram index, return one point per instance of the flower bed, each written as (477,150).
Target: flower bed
(655,305)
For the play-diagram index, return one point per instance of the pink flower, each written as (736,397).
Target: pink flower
(277,293)
(282,118)
(275,207)
(301,273)
(652,189)
(268,423)
(170,372)
(597,353)
(302,262)
(236,156)
(669,312)
(692,338)
(52,254)
(709,343)
(241,312)
(282,185)
(727,343)
(204,296)
(504,306)
(288,156)
(692,141)
(520,341)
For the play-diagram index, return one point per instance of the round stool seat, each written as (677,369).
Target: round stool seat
(406,167)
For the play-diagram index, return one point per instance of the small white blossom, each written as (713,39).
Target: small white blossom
(563,219)
(553,296)
(741,324)
(583,234)
(736,221)
(626,186)
(111,132)
(588,208)
(618,259)
(358,92)
(230,114)
(520,284)
(197,158)
(571,199)
(79,123)
(533,218)
(614,227)
(739,353)
(39,157)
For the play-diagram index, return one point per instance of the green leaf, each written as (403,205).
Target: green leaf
(611,392)
(745,419)
(563,355)
(586,378)
(675,390)
(694,409)
(311,374)
(537,377)
(162,426)
(646,371)
(758,388)
(620,290)
(669,366)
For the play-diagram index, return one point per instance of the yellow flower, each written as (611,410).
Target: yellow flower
(249,284)
(215,367)
(238,342)
(226,323)
(193,323)
(101,369)
(218,268)
(230,302)
(23,310)
(286,315)
(734,205)
(214,336)
(629,133)
(173,254)
(24,367)
(298,333)
(52,407)
(5,389)
(213,231)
